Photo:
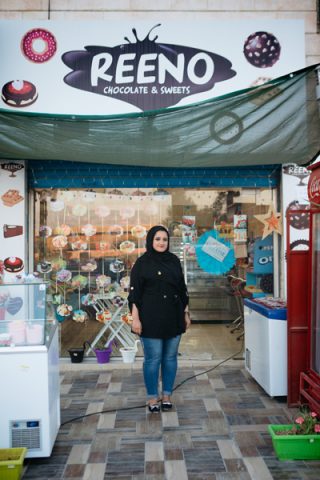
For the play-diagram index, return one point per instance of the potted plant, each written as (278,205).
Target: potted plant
(299,440)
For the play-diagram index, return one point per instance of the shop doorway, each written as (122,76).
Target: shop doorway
(86,241)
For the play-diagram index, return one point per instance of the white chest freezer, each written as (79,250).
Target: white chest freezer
(265,333)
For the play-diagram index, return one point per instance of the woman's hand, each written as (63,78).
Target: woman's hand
(187,319)
(136,326)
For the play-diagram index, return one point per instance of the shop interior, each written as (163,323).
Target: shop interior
(86,241)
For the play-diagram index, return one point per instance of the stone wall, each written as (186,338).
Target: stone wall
(172,9)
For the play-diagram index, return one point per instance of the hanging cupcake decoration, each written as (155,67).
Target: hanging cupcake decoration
(62,229)
(103,245)
(79,210)
(79,245)
(64,276)
(56,205)
(127,212)
(88,230)
(79,281)
(44,267)
(139,231)
(118,301)
(116,230)
(127,247)
(127,318)
(67,195)
(88,299)
(125,282)
(103,281)
(117,266)
(63,311)
(58,263)
(89,266)
(80,316)
(60,241)
(104,316)
(45,231)
(152,209)
(102,211)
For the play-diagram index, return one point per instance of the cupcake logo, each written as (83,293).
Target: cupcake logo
(146,73)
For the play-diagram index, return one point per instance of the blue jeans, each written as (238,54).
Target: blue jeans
(164,353)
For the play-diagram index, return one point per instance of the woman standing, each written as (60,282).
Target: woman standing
(158,302)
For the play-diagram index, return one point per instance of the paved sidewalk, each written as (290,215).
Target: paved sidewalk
(216,431)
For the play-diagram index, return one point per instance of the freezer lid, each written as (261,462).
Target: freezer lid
(273,312)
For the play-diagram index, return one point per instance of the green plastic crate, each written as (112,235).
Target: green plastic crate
(11,463)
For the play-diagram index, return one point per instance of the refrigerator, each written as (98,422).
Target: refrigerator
(29,366)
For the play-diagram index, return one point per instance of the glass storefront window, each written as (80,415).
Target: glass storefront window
(86,241)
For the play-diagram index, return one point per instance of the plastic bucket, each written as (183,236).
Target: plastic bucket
(128,354)
(76,354)
(103,356)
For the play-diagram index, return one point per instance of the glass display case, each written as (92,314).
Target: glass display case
(25,316)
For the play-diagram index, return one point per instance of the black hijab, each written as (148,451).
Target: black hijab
(160,256)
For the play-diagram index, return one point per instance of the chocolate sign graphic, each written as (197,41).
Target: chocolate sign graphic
(145,73)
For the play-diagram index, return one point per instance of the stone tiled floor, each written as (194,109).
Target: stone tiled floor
(216,431)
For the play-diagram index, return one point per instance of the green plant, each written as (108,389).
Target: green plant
(305,423)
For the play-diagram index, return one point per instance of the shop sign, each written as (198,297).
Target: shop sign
(314,187)
(121,67)
(146,73)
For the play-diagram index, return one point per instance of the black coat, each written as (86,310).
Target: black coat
(158,290)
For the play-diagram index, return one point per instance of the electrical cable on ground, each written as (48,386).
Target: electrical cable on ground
(144,405)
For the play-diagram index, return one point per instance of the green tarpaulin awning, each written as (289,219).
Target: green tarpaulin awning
(276,123)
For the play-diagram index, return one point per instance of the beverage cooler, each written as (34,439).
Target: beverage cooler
(29,366)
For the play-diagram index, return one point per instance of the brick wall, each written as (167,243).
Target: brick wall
(171,9)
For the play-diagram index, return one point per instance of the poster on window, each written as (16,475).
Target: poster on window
(189,233)
(240,223)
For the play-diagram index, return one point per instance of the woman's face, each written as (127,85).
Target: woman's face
(160,241)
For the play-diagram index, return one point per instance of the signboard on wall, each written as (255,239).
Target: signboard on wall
(12,218)
(126,66)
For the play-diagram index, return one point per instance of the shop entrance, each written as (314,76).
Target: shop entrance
(86,241)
